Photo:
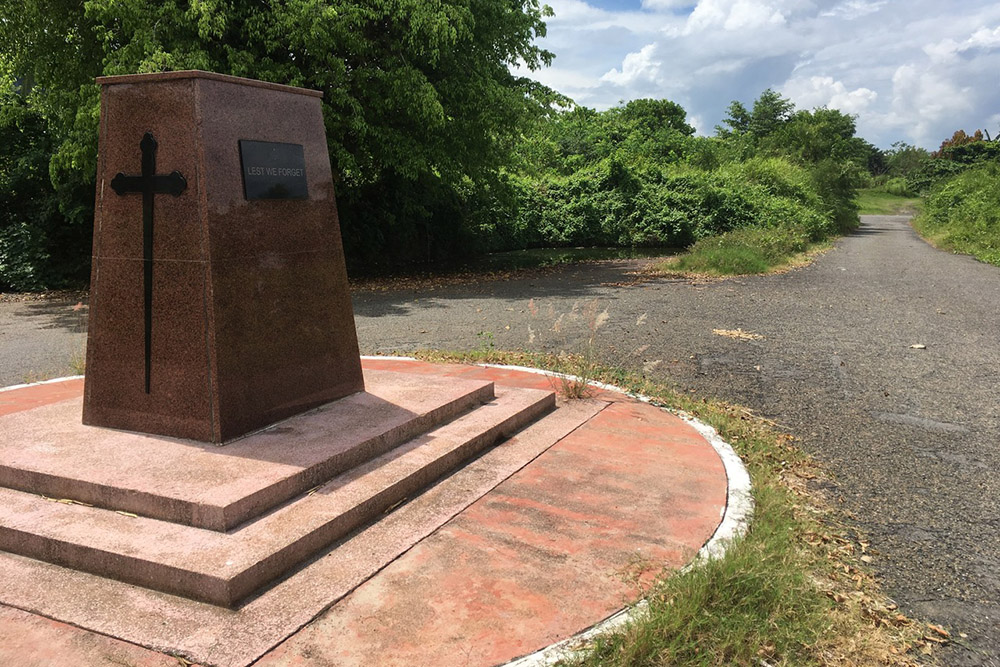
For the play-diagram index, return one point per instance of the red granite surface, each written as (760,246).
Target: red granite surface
(252,320)
(48,451)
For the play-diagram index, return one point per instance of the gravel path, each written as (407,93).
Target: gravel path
(911,435)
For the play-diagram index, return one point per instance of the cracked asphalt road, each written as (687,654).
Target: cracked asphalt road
(912,436)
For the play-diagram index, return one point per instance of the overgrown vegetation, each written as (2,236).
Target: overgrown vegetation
(635,175)
(795,590)
(420,106)
(959,189)
(437,149)
(747,251)
(963,214)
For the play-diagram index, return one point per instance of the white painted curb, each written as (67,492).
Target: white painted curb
(33,384)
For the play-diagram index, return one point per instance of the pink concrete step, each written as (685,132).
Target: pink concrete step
(223,568)
(49,451)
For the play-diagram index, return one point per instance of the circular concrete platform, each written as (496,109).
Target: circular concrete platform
(559,545)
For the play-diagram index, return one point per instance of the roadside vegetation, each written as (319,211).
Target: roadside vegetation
(439,153)
(796,589)
(752,250)
(954,192)
(772,185)
(963,214)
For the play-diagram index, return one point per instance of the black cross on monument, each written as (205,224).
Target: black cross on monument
(148,184)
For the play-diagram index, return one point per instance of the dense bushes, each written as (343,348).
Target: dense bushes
(747,250)
(614,204)
(963,214)
(921,171)
(635,176)
(420,105)
(40,246)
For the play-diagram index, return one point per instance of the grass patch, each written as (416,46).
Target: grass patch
(746,251)
(879,202)
(963,215)
(78,361)
(794,590)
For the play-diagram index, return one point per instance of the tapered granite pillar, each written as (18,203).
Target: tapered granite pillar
(245,316)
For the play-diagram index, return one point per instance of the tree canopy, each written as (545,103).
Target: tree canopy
(418,94)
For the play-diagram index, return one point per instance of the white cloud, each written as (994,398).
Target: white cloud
(733,15)
(698,123)
(823,91)
(855,9)
(948,49)
(913,70)
(936,97)
(636,66)
(665,4)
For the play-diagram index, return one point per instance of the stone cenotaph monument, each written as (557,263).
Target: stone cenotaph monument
(220,315)
(219,299)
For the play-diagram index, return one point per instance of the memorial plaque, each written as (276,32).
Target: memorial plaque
(273,170)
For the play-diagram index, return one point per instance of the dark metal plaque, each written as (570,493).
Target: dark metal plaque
(273,170)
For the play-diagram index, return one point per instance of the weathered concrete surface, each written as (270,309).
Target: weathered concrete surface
(599,495)
(567,540)
(29,640)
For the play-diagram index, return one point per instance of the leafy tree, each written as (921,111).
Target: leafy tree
(813,136)
(770,112)
(737,121)
(39,247)
(968,149)
(903,159)
(420,103)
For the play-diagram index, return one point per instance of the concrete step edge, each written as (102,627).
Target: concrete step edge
(230,566)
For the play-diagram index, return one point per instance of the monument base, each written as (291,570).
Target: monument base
(248,512)
(512,550)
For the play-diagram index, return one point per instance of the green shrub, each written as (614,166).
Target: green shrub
(745,251)
(613,203)
(897,186)
(930,173)
(44,241)
(963,214)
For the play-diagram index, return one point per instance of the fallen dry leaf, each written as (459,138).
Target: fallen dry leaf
(739,334)
(918,346)
(66,501)
(938,629)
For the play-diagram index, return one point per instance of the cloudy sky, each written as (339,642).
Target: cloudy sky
(911,70)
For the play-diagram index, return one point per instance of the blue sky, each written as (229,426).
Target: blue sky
(911,70)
